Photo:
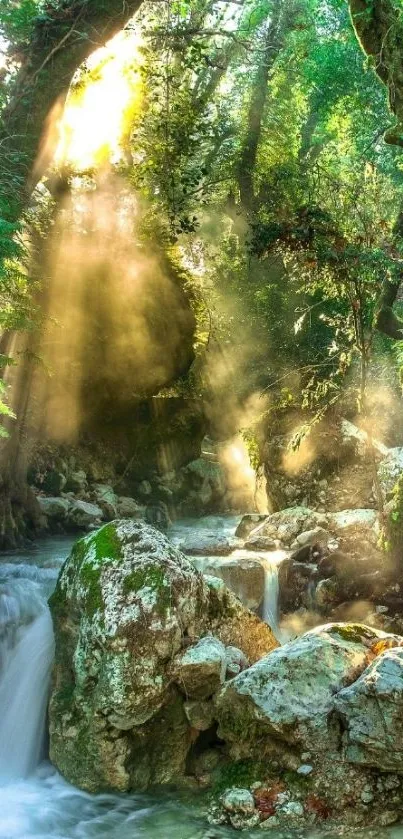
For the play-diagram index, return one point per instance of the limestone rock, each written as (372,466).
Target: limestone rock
(128,604)
(55,509)
(82,515)
(128,508)
(243,575)
(372,714)
(200,670)
(285,699)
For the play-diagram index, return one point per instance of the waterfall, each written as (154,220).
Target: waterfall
(26,655)
(270,598)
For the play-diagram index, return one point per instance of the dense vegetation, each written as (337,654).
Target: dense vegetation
(252,144)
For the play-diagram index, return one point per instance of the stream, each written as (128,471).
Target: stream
(35,802)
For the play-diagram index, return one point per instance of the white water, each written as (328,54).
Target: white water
(43,805)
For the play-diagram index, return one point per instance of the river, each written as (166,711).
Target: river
(35,802)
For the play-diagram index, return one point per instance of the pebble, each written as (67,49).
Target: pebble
(305,769)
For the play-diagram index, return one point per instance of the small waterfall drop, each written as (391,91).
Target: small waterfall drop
(271,612)
(26,655)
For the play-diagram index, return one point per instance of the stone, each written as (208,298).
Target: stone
(348,520)
(287,524)
(76,482)
(55,509)
(145,489)
(316,536)
(200,670)
(262,543)
(82,515)
(389,470)
(238,800)
(327,592)
(128,508)
(208,544)
(235,661)
(243,575)
(372,713)
(158,516)
(54,482)
(106,499)
(200,714)
(305,769)
(128,604)
(284,701)
(248,523)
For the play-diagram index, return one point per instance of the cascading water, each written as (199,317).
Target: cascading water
(26,655)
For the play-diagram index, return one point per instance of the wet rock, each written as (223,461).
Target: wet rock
(55,509)
(327,593)
(82,515)
(287,524)
(285,699)
(262,543)
(158,516)
(207,544)
(372,714)
(238,806)
(243,575)
(127,605)
(248,523)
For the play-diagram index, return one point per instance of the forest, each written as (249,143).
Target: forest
(201,419)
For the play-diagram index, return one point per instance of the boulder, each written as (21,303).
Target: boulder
(106,499)
(245,576)
(347,522)
(200,670)
(248,523)
(389,470)
(261,543)
(128,508)
(55,509)
(207,544)
(131,616)
(316,536)
(54,482)
(282,704)
(76,482)
(287,524)
(371,710)
(81,514)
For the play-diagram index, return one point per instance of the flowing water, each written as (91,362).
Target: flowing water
(35,802)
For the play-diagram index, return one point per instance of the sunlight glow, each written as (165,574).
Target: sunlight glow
(99,111)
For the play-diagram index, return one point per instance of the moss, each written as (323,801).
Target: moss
(150,576)
(393,536)
(106,541)
(242,774)
(90,576)
(353,632)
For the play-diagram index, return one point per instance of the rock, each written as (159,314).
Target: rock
(389,470)
(287,524)
(235,661)
(316,536)
(207,544)
(54,482)
(284,701)
(145,489)
(200,670)
(372,713)
(106,499)
(199,714)
(238,800)
(83,515)
(262,543)
(357,440)
(158,516)
(248,523)
(76,482)
(349,520)
(127,605)
(55,509)
(244,576)
(327,593)
(128,508)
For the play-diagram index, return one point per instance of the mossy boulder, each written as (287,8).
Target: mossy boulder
(126,605)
